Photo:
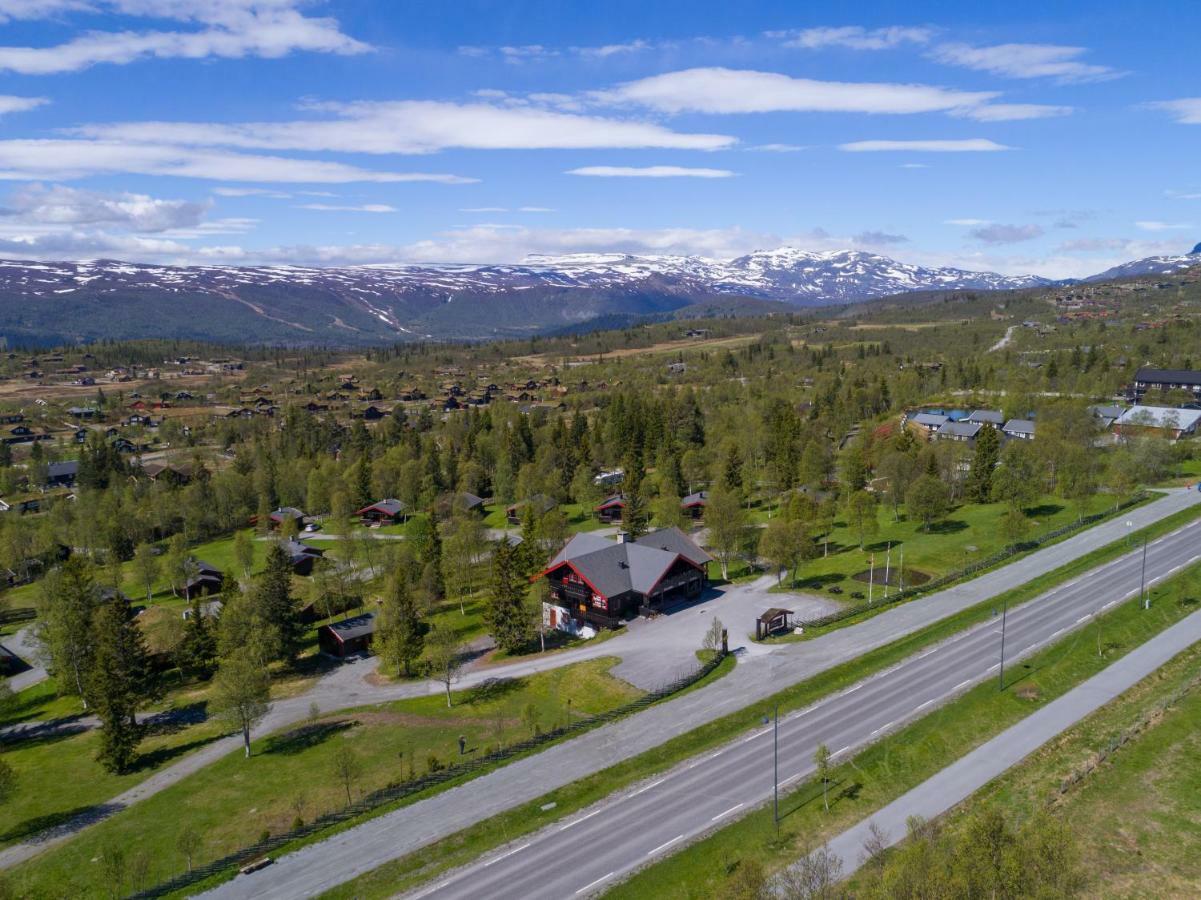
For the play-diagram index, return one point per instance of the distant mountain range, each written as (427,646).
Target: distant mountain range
(67,301)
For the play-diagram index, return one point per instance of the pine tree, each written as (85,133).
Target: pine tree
(635,514)
(731,475)
(274,604)
(117,681)
(197,651)
(988,451)
(400,634)
(507,614)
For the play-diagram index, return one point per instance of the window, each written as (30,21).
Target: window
(600,602)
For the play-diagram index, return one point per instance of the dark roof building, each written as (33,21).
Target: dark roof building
(348,637)
(390,510)
(541,503)
(1146,379)
(597,581)
(302,556)
(62,474)
(611,508)
(285,514)
(694,504)
(206,579)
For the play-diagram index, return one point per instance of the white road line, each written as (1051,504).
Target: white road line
(648,787)
(505,856)
(840,752)
(665,845)
(1084,618)
(881,728)
(789,780)
(993,666)
(1109,604)
(722,815)
(923,706)
(852,690)
(1056,634)
(595,812)
(964,684)
(589,887)
(751,737)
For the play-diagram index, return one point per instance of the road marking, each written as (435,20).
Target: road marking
(881,728)
(964,684)
(853,689)
(789,780)
(648,787)
(727,812)
(589,887)
(751,737)
(839,752)
(505,856)
(595,812)
(1056,634)
(924,705)
(665,845)
(1109,604)
(1084,618)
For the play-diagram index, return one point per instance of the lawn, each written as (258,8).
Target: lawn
(968,534)
(1137,816)
(888,768)
(292,774)
(415,869)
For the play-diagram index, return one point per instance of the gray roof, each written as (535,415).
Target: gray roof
(1188,377)
(615,568)
(964,429)
(991,416)
(1019,426)
(357,626)
(297,549)
(930,420)
(388,507)
(286,512)
(1160,416)
(700,498)
(1107,412)
(62,469)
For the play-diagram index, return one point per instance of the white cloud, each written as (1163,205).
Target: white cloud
(1006,234)
(1183,195)
(485,209)
(778,148)
(61,205)
(527,51)
(58,160)
(229,29)
(721,90)
(970,145)
(914,166)
(604,52)
(1026,61)
(1163,226)
(879,238)
(967,223)
(251,192)
(853,37)
(535,209)
(364,207)
(418,126)
(11,104)
(649,172)
(1012,112)
(1186,111)
(39,9)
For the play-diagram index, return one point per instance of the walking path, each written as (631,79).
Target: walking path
(962,778)
(656,649)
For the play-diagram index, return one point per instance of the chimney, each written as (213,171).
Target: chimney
(623,537)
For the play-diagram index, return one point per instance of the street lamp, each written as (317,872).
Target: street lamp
(1142,583)
(775,778)
(1004,611)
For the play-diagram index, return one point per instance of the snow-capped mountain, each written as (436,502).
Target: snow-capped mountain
(1152,265)
(373,303)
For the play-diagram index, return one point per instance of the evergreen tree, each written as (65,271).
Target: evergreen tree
(635,515)
(988,451)
(731,475)
(274,604)
(507,614)
(362,482)
(117,681)
(197,651)
(400,633)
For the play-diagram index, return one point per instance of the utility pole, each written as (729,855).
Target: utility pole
(775,777)
(1004,611)
(871,579)
(887,567)
(1142,584)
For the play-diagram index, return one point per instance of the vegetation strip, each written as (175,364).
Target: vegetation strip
(408,789)
(890,767)
(998,558)
(466,845)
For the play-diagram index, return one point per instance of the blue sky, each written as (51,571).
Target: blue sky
(1057,138)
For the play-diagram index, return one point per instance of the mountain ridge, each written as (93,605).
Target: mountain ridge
(371,304)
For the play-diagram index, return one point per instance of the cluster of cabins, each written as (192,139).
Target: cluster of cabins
(965,426)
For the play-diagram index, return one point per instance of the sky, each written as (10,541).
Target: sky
(1048,138)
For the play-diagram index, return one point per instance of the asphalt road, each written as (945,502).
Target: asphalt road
(624,832)
(610,840)
(968,774)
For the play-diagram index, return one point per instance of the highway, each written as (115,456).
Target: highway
(599,845)
(725,777)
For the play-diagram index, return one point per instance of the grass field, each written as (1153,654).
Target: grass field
(407,872)
(293,774)
(1137,817)
(891,766)
(968,534)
